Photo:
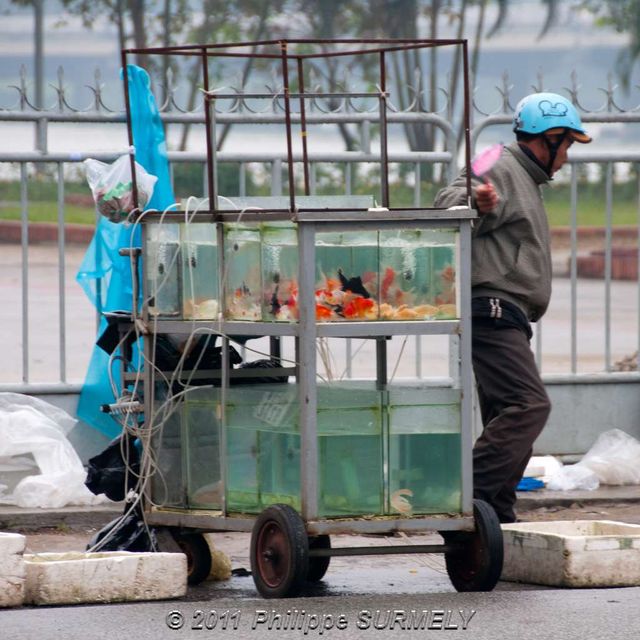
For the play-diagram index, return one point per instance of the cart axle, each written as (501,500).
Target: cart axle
(372,551)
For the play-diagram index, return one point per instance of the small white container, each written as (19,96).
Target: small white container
(599,553)
(110,576)
(12,570)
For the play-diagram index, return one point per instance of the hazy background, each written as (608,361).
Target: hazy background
(573,44)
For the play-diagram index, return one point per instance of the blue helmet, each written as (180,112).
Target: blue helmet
(540,112)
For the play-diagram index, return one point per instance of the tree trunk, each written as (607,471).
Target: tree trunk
(138,19)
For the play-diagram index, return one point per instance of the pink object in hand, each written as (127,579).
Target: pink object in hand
(485,160)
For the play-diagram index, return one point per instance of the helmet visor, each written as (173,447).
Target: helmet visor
(577,136)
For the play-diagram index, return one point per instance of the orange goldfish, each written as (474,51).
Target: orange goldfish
(322,312)
(358,307)
(448,274)
(387,280)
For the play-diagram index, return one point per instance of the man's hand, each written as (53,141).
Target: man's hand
(486,198)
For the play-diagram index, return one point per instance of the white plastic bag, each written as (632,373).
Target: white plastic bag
(31,426)
(112,187)
(573,477)
(614,458)
(542,467)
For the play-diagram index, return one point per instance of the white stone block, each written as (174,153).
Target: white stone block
(110,576)
(599,553)
(12,570)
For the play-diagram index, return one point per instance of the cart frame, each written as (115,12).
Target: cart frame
(307,329)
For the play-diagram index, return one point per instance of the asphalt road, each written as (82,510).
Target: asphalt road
(360,597)
(524,615)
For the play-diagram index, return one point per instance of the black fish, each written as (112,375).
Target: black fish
(275,305)
(353,284)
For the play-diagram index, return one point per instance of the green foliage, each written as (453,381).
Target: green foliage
(47,211)
(624,17)
(40,190)
(189,179)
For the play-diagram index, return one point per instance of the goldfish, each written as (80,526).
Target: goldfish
(448,278)
(447,311)
(400,503)
(358,308)
(242,291)
(387,281)
(448,274)
(322,312)
(426,310)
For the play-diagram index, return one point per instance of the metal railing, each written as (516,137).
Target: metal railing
(23,164)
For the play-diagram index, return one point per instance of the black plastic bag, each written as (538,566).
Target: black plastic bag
(267,378)
(125,533)
(115,470)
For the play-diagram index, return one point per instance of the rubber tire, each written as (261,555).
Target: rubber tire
(477,564)
(198,553)
(279,552)
(318,565)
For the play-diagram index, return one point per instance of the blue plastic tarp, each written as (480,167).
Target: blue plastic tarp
(104,275)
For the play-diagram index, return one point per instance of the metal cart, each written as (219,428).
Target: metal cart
(199,439)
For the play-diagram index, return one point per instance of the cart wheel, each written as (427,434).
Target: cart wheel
(318,565)
(279,552)
(477,564)
(195,547)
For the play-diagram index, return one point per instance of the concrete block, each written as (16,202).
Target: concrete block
(110,576)
(600,553)
(12,570)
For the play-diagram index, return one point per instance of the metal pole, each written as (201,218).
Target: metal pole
(384,159)
(303,127)
(287,112)
(209,105)
(638,261)
(467,117)
(607,266)
(574,269)
(466,379)
(24,224)
(307,371)
(127,104)
(62,329)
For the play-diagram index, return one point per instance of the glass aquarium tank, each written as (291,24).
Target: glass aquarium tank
(167,482)
(420,466)
(280,271)
(424,450)
(162,269)
(201,437)
(418,274)
(243,277)
(347,276)
(350,468)
(199,271)
(263,447)
(445,286)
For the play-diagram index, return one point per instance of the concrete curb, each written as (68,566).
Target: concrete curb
(528,500)
(17,519)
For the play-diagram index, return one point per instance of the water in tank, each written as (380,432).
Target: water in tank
(199,271)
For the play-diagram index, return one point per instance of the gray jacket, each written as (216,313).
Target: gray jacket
(511,253)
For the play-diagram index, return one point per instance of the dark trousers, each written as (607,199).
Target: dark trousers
(514,406)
